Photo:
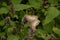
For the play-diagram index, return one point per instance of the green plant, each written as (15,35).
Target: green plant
(13,11)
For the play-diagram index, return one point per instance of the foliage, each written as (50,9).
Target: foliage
(13,11)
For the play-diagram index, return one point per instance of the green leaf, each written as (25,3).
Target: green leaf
(12,23)
(13,37)
(2,22)
(47,38)
(9,30)
(19,7)
(51,14)
(42,33)
(35,3)
(2,34)
(56,30)
(49,27)
(4,10)
(16,1)
(4,4)
(53,2)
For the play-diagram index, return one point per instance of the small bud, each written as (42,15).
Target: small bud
(7,20)
(9,2)
(31,32)
(12,9)
(45,2)
(15,30)
(4,38)
(25,20)
(32,10)
(26,38)
(52,37)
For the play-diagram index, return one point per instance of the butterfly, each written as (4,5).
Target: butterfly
(32,20)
